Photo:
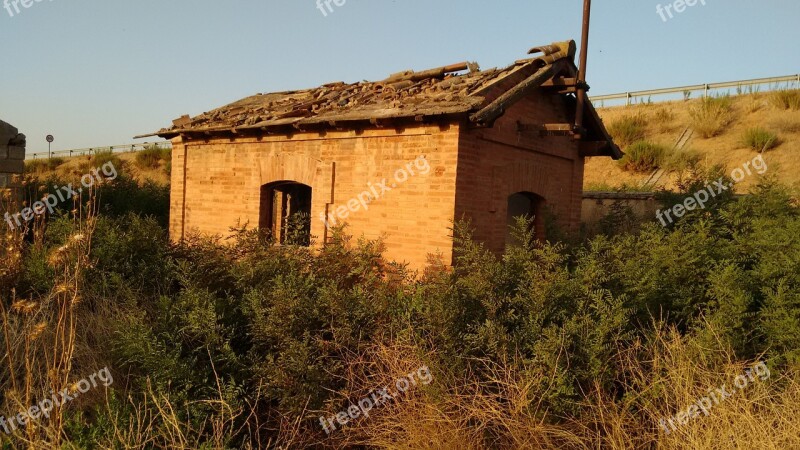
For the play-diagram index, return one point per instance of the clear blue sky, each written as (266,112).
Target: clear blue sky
(98,72)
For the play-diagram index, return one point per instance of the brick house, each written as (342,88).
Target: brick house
(441,144)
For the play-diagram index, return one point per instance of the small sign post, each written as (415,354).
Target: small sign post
(50,140)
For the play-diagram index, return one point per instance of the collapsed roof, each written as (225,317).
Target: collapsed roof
(458,91)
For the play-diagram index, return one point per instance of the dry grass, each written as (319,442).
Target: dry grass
(754,104)
(725,149)
(712,116)
(455,412)
(786,99)
(664,119)
(39,334)
(661,378)
(126,162)
(761,415)
(786,124)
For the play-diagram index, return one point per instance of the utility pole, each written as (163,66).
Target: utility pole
(581,92)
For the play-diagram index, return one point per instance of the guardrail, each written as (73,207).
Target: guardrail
(93,150)
(629,97)
(705,88)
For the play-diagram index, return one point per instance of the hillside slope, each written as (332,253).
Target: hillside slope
(664,123)
(132,164)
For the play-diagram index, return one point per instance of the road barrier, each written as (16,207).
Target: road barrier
(94,150)
(772,83)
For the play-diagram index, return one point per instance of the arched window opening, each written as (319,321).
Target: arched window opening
(286,212)
(524,204)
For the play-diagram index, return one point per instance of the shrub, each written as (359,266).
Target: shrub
(125,195)
(43,165)
(644,156)
(545,347)
(680,161)
(711,116)
(101,157)
(760,139)
(623,187)
(151,157)
(786,99)
(628,129)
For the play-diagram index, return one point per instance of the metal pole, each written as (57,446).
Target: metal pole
(581,92)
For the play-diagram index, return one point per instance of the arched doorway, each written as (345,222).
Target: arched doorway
(524,204)
(286,212)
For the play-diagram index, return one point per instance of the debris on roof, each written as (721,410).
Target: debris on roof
(456,90)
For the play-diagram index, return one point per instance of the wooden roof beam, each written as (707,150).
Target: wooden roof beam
(497,108)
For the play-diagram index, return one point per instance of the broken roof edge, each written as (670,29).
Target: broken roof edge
(284,126)
(483,104)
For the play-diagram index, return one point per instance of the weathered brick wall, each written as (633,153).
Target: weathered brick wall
(12,156)
(12,152)
(497,162)
(222,180)
(472,174)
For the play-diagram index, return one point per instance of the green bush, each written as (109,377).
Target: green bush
(624,187)
(760,139)
(101,157)
(644,157)
(683,160)
(628,129)
(274,330)
(40,166)
(115,198)
(151,157)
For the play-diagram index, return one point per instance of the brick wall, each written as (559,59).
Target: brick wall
(497,162)
(217,184)
(12,156)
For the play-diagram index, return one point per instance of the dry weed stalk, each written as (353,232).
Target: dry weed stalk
(39,333)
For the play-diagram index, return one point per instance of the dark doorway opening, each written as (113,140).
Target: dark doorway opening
(524,204)
(286,212)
